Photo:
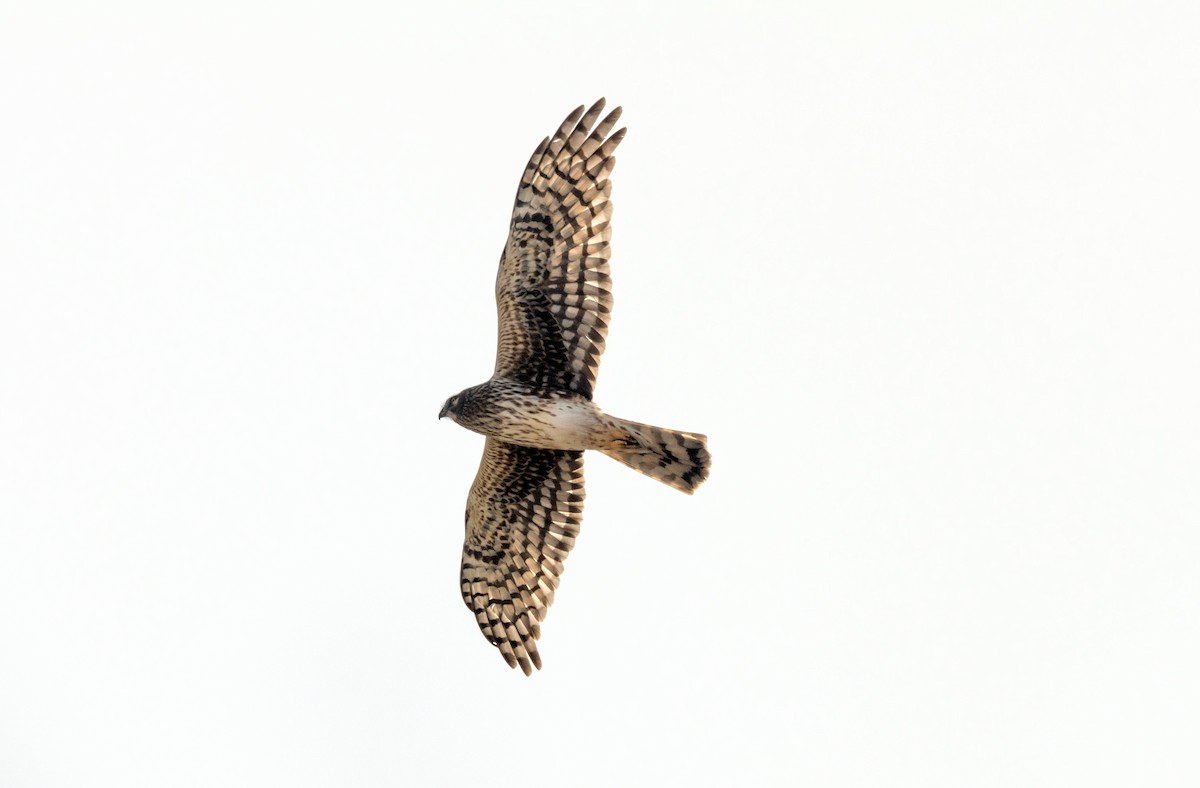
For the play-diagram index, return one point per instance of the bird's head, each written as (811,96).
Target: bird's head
(451,407)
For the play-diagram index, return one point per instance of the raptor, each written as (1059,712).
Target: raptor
(553,299)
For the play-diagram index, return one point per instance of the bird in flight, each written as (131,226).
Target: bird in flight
(553,299)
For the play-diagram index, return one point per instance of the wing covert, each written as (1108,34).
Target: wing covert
(523,514)
(553,288)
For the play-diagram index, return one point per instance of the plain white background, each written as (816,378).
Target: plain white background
(927,276)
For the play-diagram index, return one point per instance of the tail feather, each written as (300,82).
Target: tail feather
(680,459)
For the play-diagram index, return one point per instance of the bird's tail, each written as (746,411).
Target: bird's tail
(680,459)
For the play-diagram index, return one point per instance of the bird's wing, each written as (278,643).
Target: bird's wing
(553,291)
(523,515)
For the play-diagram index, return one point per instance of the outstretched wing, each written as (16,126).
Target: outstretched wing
(523,515)
(553,291)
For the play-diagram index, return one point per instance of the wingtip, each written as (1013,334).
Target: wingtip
(564,128)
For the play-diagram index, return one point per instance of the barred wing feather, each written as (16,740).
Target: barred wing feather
(553,289)
(523,514)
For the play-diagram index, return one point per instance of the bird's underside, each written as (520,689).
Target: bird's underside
(553,300)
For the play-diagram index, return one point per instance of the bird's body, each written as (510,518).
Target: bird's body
(539,418)
(553,301)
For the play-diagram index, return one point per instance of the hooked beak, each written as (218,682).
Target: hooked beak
(445,408)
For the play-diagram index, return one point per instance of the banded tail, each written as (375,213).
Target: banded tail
(680,459)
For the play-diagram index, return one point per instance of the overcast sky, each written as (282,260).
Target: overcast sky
(926,276)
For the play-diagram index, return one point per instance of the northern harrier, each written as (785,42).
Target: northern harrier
(553,298)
